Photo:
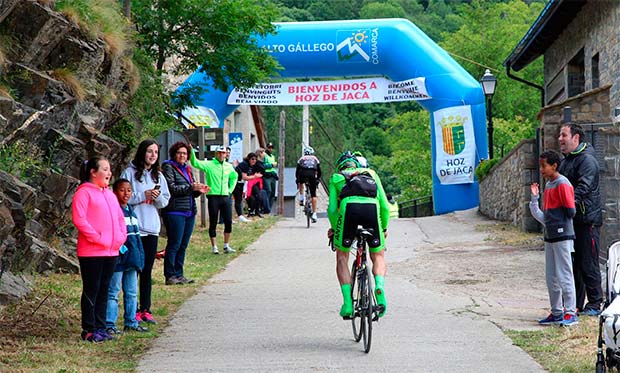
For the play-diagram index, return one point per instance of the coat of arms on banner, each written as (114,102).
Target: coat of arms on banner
(453,134)
(455,145)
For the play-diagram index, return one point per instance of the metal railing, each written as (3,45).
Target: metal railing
(415,208)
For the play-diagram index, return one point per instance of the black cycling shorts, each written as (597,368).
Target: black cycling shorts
(307,175)
(364,214)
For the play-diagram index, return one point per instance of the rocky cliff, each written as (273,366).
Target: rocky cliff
(60,89)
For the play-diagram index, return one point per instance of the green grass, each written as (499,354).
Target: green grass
(41,332)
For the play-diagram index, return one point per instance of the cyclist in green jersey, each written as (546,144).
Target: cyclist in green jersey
(346,211)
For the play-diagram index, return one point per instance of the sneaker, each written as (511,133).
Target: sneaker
(105,335)
(569,320)
(243,219)
(113,331)
(591,312)
(139,317)
(314,217)
(148,318)
(173,281)
(228,250)
(137,328)
(91,337)
(215,250)
(185,280)
(551,320)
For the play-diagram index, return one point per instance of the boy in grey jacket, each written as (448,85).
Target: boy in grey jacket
(557,218)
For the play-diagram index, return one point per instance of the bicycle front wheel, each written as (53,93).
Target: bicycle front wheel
(356,321)
(366,313)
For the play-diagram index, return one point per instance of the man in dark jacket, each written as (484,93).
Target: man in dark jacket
(582,169)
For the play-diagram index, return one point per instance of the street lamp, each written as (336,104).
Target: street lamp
(489,82)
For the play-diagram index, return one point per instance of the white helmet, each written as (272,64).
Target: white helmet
(362,161)
(308,150)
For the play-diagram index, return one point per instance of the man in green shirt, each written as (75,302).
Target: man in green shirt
(222,178)
(271,174)
(345,213)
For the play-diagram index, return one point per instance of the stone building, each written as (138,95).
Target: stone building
(580,45)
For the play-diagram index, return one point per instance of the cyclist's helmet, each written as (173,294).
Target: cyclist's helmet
(308,150)
(361,159)
(346,160)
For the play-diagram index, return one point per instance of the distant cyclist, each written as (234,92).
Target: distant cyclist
(356,197)
(361,159)
(308,170)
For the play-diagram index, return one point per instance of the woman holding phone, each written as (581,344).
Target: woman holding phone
(150,193)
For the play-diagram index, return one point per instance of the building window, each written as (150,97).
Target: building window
(595,72)
(576,75)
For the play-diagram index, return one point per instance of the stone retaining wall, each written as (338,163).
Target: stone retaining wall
(505,192)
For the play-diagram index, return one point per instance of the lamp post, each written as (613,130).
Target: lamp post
(489,82)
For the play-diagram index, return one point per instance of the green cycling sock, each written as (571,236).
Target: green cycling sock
(347,302)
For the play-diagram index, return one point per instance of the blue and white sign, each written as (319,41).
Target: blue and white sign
(235,141)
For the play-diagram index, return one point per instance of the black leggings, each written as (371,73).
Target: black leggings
(150,249)
(219,204)
(238,196)
(96,273)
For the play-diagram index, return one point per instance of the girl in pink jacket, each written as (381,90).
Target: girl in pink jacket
(101,227)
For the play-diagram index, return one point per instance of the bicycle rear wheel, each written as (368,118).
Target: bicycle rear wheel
(356,321)
(366,313)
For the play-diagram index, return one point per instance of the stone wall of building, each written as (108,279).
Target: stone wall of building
(595,29)
(505,192)
(610,184)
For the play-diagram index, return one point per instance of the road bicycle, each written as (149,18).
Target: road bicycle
(365,308)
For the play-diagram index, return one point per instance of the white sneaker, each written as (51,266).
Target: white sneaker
(314,217)
(243,219)
(228,250)
(215,250)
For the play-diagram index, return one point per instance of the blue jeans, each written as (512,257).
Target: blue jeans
(129,281)
(179,230)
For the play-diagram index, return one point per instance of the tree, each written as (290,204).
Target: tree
(219,36)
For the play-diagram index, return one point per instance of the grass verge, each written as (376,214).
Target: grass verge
(556,349)
(42,331)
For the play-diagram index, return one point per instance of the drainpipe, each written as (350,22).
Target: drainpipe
(539,87)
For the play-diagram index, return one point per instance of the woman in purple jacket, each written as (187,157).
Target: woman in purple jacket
(101,231)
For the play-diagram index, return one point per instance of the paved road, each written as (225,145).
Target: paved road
(275,308)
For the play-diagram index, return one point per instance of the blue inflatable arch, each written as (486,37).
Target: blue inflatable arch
(398,50)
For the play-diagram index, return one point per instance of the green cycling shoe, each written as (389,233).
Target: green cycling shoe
(347,305)
(380,294)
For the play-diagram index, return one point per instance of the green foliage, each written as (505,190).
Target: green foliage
(218,36)
(375,141)
(488,34)
(508,133)
(96,16)
(21,159)
(149,114)
(484,167)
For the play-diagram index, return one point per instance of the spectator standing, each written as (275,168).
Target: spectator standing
(101,231)
(582,169)
(179,215)
(238,195)
(262,194)
(129,263)
(393,205)
(222,178)
(149,194)
(556,217)
(271,175)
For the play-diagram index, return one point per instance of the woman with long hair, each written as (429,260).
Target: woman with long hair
(150,193)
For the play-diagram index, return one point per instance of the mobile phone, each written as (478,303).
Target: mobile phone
(157,186)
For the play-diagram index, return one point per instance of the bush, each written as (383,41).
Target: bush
(484,166)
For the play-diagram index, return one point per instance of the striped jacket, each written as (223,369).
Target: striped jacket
(558,210)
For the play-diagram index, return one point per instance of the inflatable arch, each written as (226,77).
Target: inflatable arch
(410,62)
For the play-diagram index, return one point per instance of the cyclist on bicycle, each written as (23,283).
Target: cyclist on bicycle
(353,201)
(308,171)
